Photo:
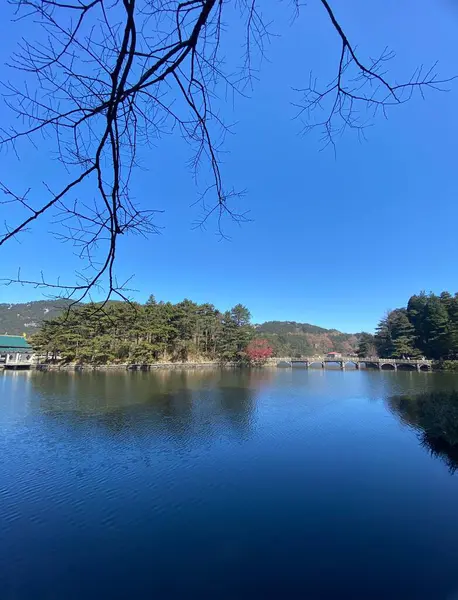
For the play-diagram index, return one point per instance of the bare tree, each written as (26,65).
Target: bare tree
(107,77)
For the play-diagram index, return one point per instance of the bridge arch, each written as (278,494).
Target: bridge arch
(299,362)
(387,366)
(355,363)
(407,367)
(369,364)
(315,363)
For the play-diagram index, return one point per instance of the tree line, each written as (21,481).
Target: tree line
(427,326)
(136,333)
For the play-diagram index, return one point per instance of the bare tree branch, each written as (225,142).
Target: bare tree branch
(359,90)
(104,78)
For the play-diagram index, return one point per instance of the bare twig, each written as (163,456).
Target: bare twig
(104,78)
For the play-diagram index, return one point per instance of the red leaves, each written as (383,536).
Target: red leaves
(258,351)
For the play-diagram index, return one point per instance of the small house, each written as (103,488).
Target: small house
(15,352)
(334,355)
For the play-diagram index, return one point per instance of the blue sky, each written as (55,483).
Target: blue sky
(334,240)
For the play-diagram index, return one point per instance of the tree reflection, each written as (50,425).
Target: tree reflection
(435,416)
(175,404)
(237,392)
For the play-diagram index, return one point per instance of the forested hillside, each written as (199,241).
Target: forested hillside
(161,331)
(27,318)
(289,338)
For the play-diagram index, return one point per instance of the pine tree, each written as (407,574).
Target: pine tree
(453,328)
(402,334)
(395,336)
(382,338)
(416,313)
(436,328)
(366,346)
(236,333)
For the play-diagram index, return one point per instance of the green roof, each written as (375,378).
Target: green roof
(11,343)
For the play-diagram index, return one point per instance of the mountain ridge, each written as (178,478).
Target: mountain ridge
(27,317)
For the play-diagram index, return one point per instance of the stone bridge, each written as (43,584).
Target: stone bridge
(392,364)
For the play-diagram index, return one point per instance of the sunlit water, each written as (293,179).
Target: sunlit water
(224,484)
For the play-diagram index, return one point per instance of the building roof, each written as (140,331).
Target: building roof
(14,343)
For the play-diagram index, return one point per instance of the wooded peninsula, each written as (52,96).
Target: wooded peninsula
(121,332)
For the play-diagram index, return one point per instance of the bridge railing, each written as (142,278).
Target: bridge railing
(356,359)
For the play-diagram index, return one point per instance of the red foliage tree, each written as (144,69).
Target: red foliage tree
(258,351)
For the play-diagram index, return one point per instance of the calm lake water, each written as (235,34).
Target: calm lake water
(228,485)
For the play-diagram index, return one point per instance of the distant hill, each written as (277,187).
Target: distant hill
(27,318)
(285,327)
(288,338)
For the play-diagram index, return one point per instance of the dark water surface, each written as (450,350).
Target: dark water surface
(232,484)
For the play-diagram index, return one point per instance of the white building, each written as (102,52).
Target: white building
(15,352)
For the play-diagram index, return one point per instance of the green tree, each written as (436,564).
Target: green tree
(240,315)
(366,345)
(416,313)
(453,328)
(428,326)
(402,334)
(383,340)
(446,300)
(436,328)
(135,333)
(395,336)
(236,333)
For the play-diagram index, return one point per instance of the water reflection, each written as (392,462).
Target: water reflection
(170,403)
(224,484)
(435,416)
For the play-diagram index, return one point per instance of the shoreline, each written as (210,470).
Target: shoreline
(72,367)
(436,366)
(133,367)
(44,368)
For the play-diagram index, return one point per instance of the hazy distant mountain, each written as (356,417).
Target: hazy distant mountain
(27,318)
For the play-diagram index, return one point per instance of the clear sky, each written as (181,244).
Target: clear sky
(334,240)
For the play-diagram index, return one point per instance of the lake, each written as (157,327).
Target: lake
(233,484)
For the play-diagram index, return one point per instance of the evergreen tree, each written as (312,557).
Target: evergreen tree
(122,332)
(436,328)
(446,300)
(395,336)
(382,338)
(416,313)
(402,334)
(236,333)
(366,345)
(240,315)
(453,328)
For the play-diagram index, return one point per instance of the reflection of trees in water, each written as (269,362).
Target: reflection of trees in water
(174,403)
(237,392)
(435,416)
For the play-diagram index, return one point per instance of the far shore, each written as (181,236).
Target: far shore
(146,367)
(444,366)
